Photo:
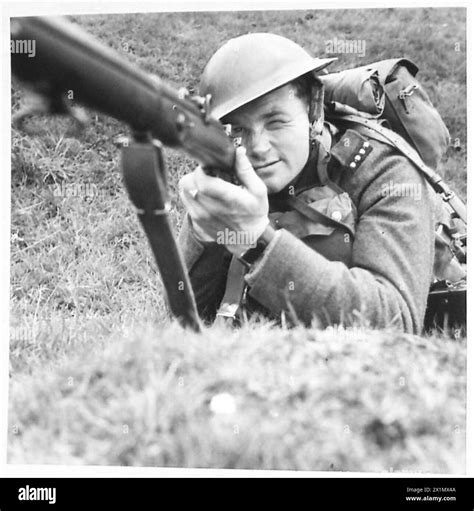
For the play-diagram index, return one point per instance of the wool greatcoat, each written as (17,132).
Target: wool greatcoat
(385,277)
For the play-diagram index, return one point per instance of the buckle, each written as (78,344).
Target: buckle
(228,310)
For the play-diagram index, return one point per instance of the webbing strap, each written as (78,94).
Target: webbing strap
(435,180)
(315,215)
(234,290)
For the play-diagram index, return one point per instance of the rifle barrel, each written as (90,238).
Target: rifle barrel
(68,61)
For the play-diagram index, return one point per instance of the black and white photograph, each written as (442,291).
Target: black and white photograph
(238,239)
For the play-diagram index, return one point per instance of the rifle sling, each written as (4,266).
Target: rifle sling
(143,171)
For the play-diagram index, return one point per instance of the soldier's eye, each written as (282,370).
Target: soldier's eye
(276,123)
(237,131)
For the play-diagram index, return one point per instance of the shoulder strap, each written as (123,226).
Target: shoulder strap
(298,204)
(375,130)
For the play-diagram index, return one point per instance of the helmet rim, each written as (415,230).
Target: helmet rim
(252,65)
(230,105)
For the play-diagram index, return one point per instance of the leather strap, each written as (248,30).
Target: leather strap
(315,215)
(375,130)
(143,170)
(234,290)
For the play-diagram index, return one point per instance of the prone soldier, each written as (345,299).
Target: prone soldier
(311,230)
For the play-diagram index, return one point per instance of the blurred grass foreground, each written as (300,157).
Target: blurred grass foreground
(99,375)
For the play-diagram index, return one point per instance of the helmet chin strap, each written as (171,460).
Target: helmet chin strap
(316,112)
(316,130)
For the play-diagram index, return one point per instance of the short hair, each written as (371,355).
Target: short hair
(303,86)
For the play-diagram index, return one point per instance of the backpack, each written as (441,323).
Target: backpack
(389,90)
(385,101)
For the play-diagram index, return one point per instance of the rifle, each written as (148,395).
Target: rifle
(69,64)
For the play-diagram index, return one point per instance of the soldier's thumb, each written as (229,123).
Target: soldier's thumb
(246,173)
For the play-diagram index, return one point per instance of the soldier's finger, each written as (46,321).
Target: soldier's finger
(195,209)
(188,186)
(215,188)
(246,173)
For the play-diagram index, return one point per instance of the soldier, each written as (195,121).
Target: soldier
(312,230)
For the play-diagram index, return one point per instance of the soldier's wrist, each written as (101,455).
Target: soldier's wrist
(250,256)
(198,235)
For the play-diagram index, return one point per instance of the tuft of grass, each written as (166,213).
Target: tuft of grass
(305,399)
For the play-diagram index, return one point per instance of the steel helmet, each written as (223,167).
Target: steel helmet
(251,65)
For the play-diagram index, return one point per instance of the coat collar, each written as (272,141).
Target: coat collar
(314,173)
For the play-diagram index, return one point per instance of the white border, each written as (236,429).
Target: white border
(470,324)
(21,7)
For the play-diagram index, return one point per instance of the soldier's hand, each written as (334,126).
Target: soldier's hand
(223,212)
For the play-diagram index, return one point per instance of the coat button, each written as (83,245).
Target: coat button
(357,157)
(353,165)
(336,215)
(362,151)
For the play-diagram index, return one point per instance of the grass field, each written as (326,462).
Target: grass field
(99,374)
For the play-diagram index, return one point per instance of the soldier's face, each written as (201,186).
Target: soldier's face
(275,131)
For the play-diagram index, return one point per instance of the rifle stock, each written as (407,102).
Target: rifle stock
(69,60)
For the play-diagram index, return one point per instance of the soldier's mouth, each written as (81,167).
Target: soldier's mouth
(266,165)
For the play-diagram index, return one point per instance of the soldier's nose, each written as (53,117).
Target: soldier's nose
(258,145)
